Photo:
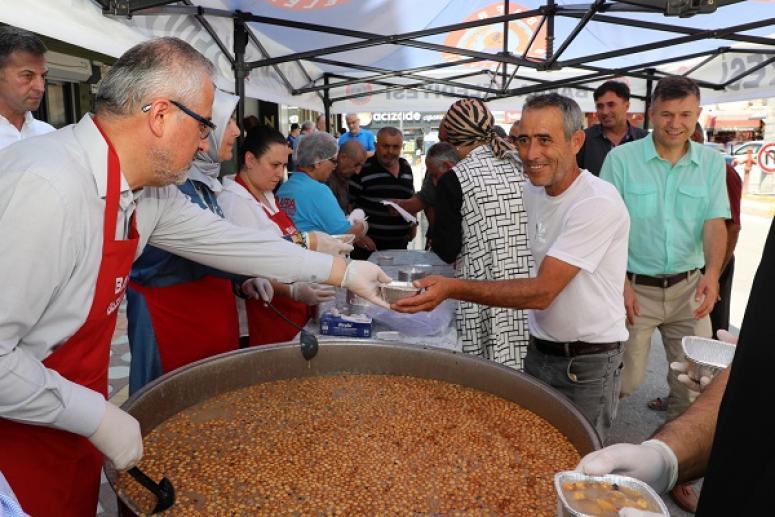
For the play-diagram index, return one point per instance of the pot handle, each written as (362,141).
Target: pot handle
(164,491)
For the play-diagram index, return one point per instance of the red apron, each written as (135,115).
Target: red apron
(264,326)
(55,472)
(193,320)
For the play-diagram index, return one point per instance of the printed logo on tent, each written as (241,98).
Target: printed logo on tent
(306,5)
(489,38)
(357,89)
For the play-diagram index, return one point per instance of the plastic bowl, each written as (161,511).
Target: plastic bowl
(395,291)
(706,357)
(568,509)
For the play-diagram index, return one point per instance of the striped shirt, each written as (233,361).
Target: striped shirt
(369,188)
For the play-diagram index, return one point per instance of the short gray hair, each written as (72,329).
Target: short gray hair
(442,152)
(315,148)
(162,67)
(572,117)
(389,131)
(307,125)
(14,39)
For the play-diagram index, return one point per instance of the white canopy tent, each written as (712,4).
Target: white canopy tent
(395,55)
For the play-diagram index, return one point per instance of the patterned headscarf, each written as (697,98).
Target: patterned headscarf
(468,121)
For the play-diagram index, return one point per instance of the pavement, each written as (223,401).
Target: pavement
(634,422)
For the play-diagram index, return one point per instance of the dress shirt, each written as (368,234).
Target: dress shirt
(31,127)
(668,203)
(52,206)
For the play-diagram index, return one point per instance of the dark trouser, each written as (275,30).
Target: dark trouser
(591,382)
(719,316)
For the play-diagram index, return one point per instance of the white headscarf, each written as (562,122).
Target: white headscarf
(206,166)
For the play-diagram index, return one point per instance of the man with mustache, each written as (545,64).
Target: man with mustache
(577,227)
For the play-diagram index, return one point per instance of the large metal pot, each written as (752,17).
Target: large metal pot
(204,379)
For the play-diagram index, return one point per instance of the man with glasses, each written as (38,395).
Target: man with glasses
(76,207)
(306,198)
(22,85)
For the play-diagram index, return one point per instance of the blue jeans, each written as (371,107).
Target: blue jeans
(592,382)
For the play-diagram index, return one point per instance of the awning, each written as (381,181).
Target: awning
(400,55)
(733,124)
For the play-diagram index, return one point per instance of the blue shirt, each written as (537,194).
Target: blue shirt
(365,137)
(311,205)
(668,203)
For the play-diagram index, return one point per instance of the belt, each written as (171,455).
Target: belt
(659,281)
(574,348)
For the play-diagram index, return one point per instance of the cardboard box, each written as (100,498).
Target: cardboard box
(335,324)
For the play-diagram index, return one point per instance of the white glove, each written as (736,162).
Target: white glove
(357,215)
(331,246)
(258,288)
(118,438)
(652,461)
(682,367)
(364,278)
(312,294)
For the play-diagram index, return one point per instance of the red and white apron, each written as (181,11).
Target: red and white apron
(264,326)
(56,472)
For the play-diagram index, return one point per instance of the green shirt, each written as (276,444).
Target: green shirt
(668,203)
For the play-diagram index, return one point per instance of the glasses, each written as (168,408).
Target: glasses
(205,125)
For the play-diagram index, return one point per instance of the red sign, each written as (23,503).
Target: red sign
(766,158)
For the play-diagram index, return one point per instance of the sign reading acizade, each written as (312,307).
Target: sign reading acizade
(395,116)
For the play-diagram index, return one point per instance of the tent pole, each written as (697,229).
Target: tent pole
(551,9)
(327,104)
(649,90)
(240,43)
(505,45)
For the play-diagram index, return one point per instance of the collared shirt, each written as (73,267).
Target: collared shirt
(52,207)
(597,146)
(370,187)
(31,127)
(311,205)
(364,136)
(668,203)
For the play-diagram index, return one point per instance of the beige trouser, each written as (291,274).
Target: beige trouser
(671,311)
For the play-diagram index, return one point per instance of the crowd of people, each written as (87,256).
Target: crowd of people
(571,247)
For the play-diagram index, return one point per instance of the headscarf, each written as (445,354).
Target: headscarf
(206,166)
(468,122)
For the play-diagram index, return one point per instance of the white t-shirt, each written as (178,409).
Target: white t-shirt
(586,226)
(31,127)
